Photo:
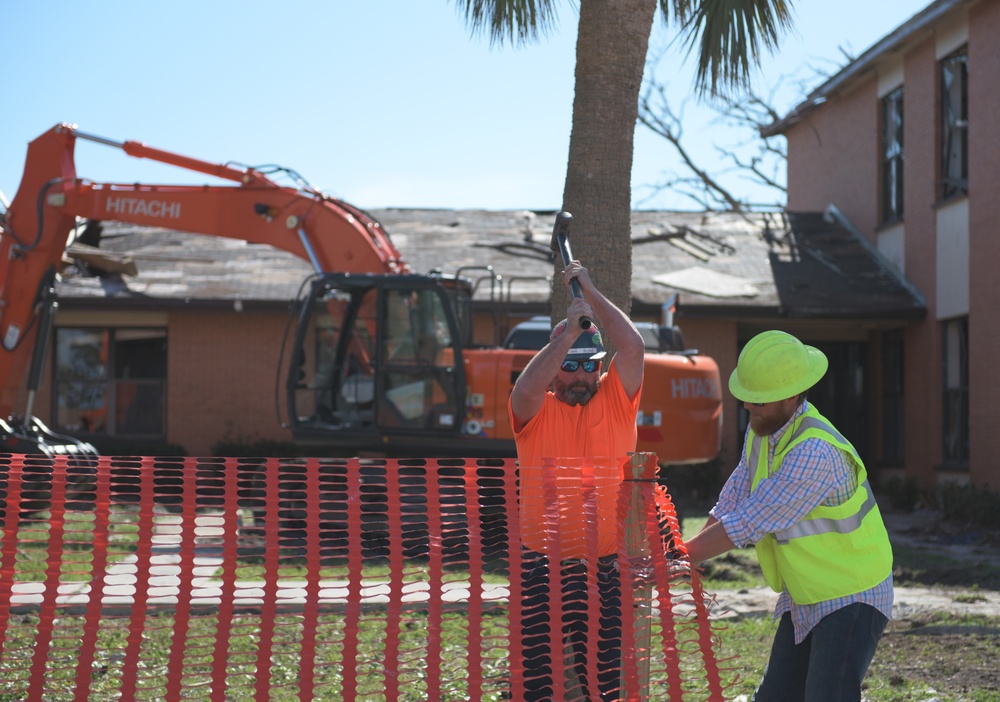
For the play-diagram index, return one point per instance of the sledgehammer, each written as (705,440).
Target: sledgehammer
(560,243)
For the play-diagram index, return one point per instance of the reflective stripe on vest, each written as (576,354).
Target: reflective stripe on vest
(824,525)
(812,569)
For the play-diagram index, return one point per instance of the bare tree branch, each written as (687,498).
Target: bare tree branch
(761,160)
(663,121)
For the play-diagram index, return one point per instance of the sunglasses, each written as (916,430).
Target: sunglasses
(588,366)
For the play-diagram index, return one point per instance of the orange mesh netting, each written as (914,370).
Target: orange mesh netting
(142,578)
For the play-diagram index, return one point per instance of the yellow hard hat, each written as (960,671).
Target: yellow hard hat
(775,366)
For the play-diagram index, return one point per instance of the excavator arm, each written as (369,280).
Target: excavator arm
(329,233)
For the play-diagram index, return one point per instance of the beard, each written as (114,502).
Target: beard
(578,392)
(765,426)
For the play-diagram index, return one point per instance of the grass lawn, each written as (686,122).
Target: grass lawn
(944,656)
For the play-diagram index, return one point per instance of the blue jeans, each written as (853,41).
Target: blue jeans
(829,664)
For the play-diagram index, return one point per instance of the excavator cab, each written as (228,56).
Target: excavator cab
(378,362)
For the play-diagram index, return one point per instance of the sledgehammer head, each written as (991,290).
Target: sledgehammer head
(560,237)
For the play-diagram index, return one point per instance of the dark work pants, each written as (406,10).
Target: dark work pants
(580,629)
(829,664)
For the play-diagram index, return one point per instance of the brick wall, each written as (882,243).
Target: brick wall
(222,366)
(834,156)
(984,242)
(922,350)
(830,164)
(718,340)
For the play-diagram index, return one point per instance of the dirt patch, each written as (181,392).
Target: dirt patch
(945,632)
(941,639)
(950,659)
(911,604)
(939,566)
(928,532)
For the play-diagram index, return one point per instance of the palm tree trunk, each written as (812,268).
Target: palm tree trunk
(611,49)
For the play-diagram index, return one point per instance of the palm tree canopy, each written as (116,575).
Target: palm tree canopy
(730,33)
(517,21)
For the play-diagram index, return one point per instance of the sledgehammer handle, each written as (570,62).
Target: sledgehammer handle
(560,242)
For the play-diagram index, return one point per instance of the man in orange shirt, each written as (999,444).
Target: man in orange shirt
(563,407)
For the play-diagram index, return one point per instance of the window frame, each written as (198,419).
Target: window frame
(111,382)
(954,146)
(955,394)
(892,157)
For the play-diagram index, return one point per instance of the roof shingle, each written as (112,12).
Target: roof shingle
(799,265)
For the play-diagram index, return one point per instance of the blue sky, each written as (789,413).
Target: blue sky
(381,103)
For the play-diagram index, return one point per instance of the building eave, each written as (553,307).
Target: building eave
(903,35)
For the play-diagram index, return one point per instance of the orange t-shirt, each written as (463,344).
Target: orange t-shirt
(602,433)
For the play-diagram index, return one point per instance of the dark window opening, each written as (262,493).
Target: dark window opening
(955,338)
(893,403)
(110,381)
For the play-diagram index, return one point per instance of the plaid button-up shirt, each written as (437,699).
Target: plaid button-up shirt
(813,473)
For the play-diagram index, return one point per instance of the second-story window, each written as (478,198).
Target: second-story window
(892,156)
(954,125)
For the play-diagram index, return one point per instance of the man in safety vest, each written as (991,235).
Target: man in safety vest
(801,495)
(562,407)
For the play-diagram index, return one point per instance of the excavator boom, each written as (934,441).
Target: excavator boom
(331,234)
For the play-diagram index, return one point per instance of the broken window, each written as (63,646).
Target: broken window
(111,381)
(892,156)
(954,125)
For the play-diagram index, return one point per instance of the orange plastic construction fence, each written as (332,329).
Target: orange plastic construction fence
(149,578)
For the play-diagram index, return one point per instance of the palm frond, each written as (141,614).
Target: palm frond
(517,21)
(731,35)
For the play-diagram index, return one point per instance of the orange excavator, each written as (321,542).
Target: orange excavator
(382,359)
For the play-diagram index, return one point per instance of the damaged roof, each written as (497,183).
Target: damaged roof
(809,265)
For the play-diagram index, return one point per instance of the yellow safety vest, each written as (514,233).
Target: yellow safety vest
(834,551)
